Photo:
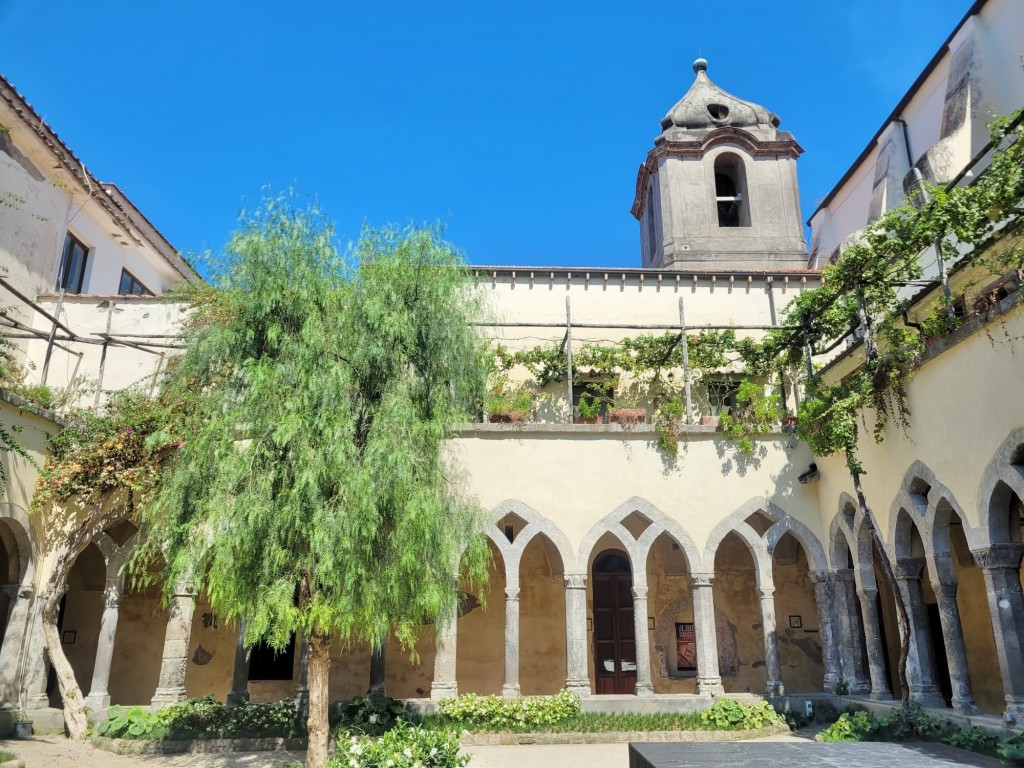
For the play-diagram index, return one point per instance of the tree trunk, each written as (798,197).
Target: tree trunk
(74,706)
(319,699)
(890,575)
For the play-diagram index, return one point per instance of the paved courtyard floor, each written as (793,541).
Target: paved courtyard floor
(787,749)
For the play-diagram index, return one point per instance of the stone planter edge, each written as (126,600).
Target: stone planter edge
(196,746)
(506,738)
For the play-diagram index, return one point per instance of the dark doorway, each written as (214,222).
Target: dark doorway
(614,635)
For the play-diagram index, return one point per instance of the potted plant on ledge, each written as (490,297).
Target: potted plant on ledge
(588,412)
(508,403)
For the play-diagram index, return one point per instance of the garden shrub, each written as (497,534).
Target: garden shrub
(372,715)
(204,718)
(404,746)
(912,724)
(727,714)
(495,712)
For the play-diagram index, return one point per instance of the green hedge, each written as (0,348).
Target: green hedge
(912,724)
(203,718)
(404,746)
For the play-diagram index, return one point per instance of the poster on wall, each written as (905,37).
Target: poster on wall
(686,648)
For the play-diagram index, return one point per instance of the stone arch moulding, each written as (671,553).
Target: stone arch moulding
(999,469)
(637,549)
(812,546)
(736,522)
(536,524)
(843,525)
(933,521)
(21,527)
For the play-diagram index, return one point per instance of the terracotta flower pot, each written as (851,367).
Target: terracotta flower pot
(627,416)
(709,421)
(512,417)
(588,419)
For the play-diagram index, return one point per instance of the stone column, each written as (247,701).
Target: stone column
(239,693)
(445,686)
(378,670)
(920,663)
(577,678)
(510,690)
(171,686)
(36,662)
(641,642)
(709,682)
(824,597)
(302,683)
(18,614)
(850,633)
(956,651)
(773,686)
(1000,565)
(868,597)
(99,695)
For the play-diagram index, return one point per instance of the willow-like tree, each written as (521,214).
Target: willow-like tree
(313,494)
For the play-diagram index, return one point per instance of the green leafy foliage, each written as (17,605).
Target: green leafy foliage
(203,718)
(404,746)
(912,724)
(728,714)
(504,398)
(328,389)
(589,408)
(498,713)
(371,715)
(668,426)
(755,414)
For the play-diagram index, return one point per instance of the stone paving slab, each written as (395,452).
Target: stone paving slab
(808,755)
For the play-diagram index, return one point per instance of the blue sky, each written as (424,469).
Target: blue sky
(519,124)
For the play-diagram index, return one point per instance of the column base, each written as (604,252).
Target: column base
(302,702)
(880,696)
(644,690)
(165,696)
(581,687)
(1014,712)
(965,706)
(831,682)
(710,686)
(37,701)
(97,702)
(774,688)
(928,699)
(860,687)
(441,691)
(237,698)
(510,691)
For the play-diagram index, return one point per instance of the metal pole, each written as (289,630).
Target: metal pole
(568,356)
(687,393)
(49,343)
(156,375)
(103,355)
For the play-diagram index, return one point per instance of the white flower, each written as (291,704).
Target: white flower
(407,752)
(356,749)
(353,764)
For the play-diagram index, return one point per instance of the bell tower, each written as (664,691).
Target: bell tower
(719,189)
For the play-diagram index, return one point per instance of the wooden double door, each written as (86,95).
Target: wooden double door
(614,632)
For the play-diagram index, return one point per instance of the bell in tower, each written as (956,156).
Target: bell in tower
(719,190)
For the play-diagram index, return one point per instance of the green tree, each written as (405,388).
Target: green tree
(313,493)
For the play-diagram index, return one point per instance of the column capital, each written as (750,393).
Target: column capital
(639,593)
(575,581)
(184,589)
(702,579)
(908,568)
(820,577)
(845,575)
(766,593)
(946,584)
(999,557)
(867,593)
(512,594)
